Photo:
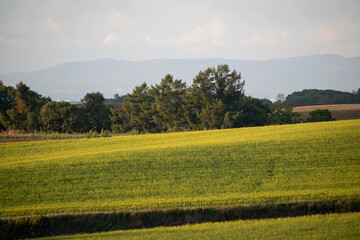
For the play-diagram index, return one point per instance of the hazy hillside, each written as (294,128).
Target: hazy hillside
(264,79)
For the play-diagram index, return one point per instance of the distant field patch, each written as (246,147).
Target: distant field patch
(339,111)
(192,169)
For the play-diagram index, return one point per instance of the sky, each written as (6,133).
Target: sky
(37,34)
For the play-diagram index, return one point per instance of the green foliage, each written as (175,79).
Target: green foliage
(119,122)
(25,110)
(214,92)
(215,100)
(21,108)
(62,117)
(315,96)
(7,101)
(137,111)
(253,113)
(266,101)
(320,115)
(168,110)
(96,111)
(283,114)
(92,134)
(104,133)
(189,169)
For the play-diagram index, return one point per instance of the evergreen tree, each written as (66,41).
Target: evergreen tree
(119,121)
(137,111)
(25,114)
(7,101)
(168,110)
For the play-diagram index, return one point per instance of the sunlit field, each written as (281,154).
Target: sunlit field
(269,164)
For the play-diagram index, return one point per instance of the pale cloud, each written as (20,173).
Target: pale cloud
(112,89)
(54,26)
(18,27)
(119,89)
(332,34)
(111,38)
(322,34)
(119,21)
(150,40)
(212,32)
(265,38)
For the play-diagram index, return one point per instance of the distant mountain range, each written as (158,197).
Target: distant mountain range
(263,79)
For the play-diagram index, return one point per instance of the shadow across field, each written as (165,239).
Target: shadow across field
(71,223)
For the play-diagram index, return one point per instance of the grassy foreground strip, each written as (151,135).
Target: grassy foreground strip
(192,169)
(60,224)
(333,226)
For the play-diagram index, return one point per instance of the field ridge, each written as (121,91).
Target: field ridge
(72,223)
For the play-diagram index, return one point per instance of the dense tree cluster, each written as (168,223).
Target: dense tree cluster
(25,110)
(283,114)
(316,96)
(63,117)
(320,115)
(20,107)
(214,100)
(96,112)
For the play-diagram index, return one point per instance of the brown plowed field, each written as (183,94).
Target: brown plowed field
(339,111)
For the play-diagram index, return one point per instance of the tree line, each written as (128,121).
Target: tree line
(25,110)
(214,100)
(316,96)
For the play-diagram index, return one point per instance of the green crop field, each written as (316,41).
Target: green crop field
(269,164)
(333,226)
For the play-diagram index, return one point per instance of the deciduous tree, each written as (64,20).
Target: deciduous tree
(96,111)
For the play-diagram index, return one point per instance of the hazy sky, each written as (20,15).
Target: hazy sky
(36,34)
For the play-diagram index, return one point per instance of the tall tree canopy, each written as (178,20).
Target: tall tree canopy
(136,113)
(213,95)
(7,101)
(168,111)
(25,106)
(63,117)
(96,111)
(214,100)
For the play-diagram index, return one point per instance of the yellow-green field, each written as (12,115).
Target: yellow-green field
(333,226)
(270,164)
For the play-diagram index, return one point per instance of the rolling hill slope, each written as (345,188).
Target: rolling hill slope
(191,169)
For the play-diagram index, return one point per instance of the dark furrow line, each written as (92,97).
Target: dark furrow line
(71,223)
